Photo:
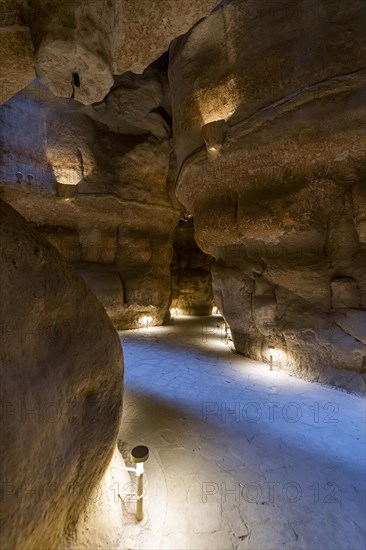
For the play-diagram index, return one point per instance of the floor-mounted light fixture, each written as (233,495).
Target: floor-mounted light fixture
(65,191)
(214,136)
(228,335)
(139,455)
(271,354)
(146,320)
(30,179)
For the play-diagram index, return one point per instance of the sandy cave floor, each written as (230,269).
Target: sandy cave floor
(240,457)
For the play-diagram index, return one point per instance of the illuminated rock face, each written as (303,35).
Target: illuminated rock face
(73,38)
(16,52)
(282,207)
(61,385)
(268,126)
(92,40)
(191,274)
(103,187)
(146,28)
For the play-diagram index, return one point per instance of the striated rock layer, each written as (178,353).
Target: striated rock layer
(98,183)
(61,389)
(191,274)
(75,47)
(275,181)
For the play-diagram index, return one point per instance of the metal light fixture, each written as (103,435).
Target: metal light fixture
(146,320)
(139,455)
(30,179)
(214,136)
(271,354)
(228,335)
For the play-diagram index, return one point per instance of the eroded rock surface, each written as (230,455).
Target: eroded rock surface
(147,27)
(76,47)
(101,187)
(191,274)
(279,201)
(137,104)
(61,386)
(16,55)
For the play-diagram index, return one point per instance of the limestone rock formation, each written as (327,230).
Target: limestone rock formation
(277,197)
(73,44)
(146,28)
(191,274)
(16,51)
(103,187)
(76,47)
(61,389)
(137,104)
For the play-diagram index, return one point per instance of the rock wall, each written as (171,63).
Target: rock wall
(16,51)
(268,111)
(98,182)
(269,149)
(76,47)
(61,389)
(191,274)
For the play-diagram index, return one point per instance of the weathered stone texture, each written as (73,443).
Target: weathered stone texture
(61,389)
(281,207)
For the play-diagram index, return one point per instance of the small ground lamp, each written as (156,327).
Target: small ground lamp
(228,335)
(30,179)
(174,312)
(271,354)
(214,136)
(146,320)
(139,455)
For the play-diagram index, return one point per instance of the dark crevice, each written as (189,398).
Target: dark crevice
(165,116)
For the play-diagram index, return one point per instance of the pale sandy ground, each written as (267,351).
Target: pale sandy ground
(240,457)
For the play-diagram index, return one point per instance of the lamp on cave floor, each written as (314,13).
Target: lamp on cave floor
(214,135)
(174,312)
(146,320)
(30,179)
(228,335)
(139,455)
(271,354)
